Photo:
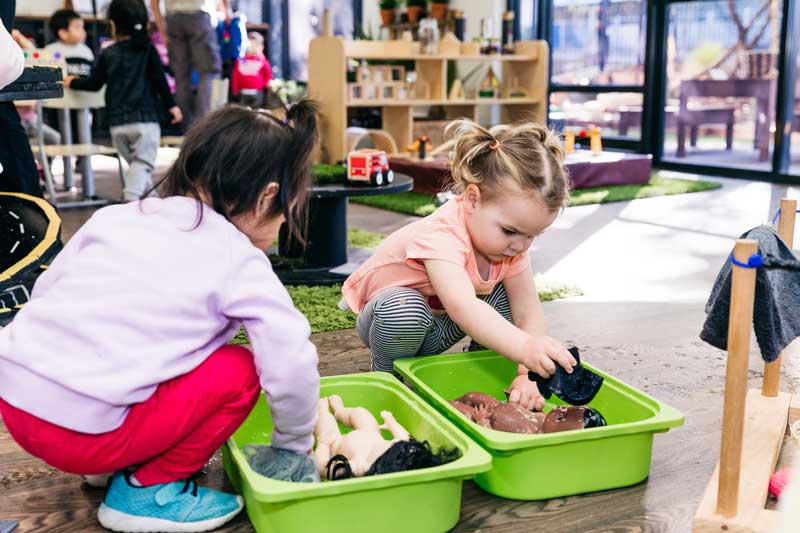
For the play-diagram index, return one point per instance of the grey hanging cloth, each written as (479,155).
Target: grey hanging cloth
(776,314)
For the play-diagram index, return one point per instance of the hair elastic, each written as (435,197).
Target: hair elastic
(137,27)
(495,145)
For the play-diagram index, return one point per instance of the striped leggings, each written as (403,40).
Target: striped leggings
(398,323)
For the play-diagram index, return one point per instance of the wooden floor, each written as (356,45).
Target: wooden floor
(686,374)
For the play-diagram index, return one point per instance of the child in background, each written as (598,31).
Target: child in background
(251,75)
(233,44)
(134,74)
(465,268)
(67,25)
(134,375)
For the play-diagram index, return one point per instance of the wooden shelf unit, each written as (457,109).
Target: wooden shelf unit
(327,84)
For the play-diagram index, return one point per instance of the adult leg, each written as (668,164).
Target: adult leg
(181,64)
(205,59)
(19,168)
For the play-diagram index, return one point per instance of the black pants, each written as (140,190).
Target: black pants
(19,170)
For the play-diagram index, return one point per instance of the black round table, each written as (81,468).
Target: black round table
(327,232)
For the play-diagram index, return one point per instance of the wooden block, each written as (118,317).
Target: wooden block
(764,428)
(794,409)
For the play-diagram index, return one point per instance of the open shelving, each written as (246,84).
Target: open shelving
(526,69)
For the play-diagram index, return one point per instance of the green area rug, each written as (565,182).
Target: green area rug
(414,203)
(319,305)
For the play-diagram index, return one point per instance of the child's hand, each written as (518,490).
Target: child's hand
(68,80)
(541,354)
(177,116)
(525,393)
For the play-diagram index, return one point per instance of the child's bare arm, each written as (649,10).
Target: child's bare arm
(487,327)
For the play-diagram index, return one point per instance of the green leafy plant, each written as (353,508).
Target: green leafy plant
(417,3)
(445,2)
(388,4)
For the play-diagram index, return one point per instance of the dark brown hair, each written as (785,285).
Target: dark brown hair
(232,154)
(527,153)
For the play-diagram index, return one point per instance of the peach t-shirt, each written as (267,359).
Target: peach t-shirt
(398,261)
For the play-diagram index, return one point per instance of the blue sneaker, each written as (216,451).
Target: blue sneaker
(177,506)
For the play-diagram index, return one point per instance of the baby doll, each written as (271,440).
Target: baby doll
(364,451)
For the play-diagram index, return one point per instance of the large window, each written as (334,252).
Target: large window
(721,82)
(597,65)
(598,42)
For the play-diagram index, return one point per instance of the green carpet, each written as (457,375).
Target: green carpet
(319,305)
(414,203)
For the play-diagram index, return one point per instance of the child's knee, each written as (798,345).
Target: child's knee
(404,308)
(233,365)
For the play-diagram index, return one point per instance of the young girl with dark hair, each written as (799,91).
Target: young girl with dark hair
(132,71)
(120,363)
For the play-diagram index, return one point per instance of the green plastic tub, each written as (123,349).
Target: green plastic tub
(418,500)
(537,467)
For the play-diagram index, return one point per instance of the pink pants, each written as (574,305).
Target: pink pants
(169,436)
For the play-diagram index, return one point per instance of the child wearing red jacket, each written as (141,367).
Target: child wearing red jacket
(252,74)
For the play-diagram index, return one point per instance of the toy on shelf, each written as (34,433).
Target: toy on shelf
(515,90)
(456,91)
(368,167)
(489,86)
(386,82)
(595,144)
(423,144)
(569,141)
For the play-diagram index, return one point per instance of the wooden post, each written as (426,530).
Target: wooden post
(772,371)
(739,325)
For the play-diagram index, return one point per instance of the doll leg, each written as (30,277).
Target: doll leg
(354,417)
(326,433)
(390,423)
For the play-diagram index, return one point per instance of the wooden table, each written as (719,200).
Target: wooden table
(327,232)
(762,90)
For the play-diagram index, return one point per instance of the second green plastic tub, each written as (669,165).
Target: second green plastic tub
(536,467)
(425,500)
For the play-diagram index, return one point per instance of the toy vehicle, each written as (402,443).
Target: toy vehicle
(368,166)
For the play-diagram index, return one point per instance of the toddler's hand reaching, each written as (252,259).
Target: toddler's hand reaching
(177,116)
(525,393)
(541,354)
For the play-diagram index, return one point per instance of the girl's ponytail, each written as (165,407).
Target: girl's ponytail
(301,118)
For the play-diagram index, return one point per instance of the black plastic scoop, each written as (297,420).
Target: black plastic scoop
(578,388)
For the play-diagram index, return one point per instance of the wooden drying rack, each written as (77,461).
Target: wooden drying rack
(753,422)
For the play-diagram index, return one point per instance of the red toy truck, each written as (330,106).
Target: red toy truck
(368,166)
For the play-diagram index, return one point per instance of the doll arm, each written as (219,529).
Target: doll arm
(391,424)
(354,417)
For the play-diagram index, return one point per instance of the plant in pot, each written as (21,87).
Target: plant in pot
(388,10)
(414,9)
(439,9)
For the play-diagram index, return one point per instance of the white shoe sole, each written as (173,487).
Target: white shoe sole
(98,481)
(125,523)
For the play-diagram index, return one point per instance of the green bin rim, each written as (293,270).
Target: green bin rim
(473,460)
(664,417)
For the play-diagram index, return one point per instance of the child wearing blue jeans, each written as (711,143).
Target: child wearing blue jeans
(120,363)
